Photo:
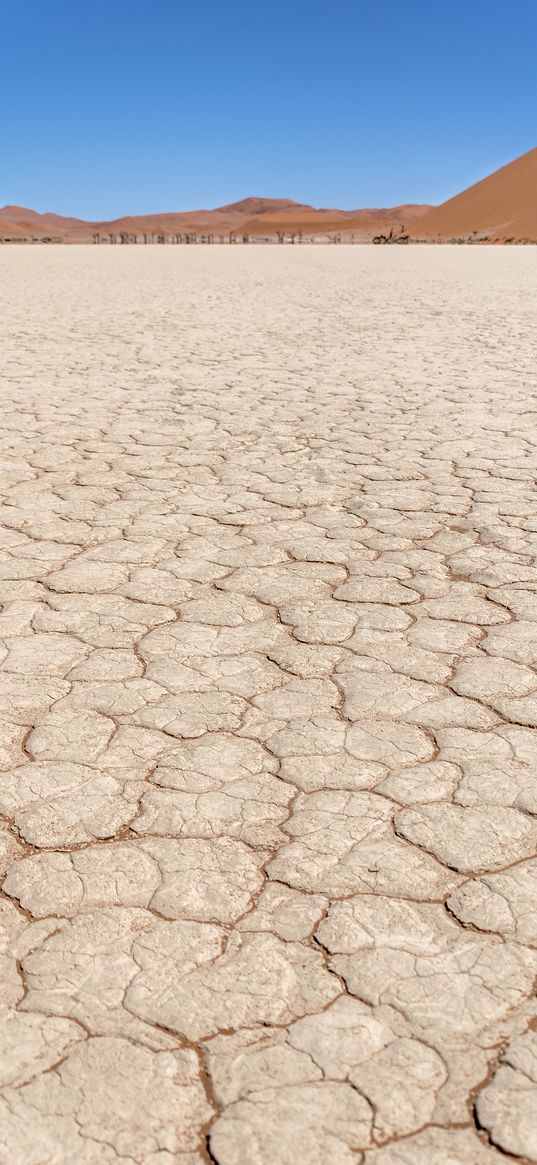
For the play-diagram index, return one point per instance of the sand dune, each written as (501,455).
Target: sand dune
(501,207)
(308,220)
(252,216)
(21,220)
(9,229)
(222,218)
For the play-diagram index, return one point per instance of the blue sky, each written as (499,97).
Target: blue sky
(130,106)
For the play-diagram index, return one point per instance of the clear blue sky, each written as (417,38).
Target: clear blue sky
(132,106)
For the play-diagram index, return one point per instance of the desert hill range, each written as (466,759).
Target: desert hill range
(501,208)
(253,218)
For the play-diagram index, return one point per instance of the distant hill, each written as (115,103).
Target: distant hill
(500,208)
(255,217)
(307,220)
(30,222)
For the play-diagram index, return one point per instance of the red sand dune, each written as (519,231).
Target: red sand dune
(499,208)
(310,221)
(24,222)
(261,217)
(10,229)
(223,219)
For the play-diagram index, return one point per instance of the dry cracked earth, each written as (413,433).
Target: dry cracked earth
(268,706)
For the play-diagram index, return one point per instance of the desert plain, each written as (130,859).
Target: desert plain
(268,706)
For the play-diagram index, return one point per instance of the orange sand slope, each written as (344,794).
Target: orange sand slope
(10,230)
(255,217)
(307,220)
(19,221)
(500,208)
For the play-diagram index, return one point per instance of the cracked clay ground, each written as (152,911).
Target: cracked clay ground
(268,706)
